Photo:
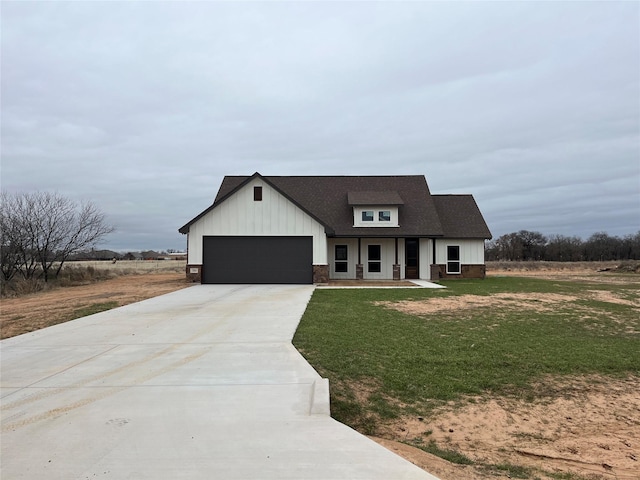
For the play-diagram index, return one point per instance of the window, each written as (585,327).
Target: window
(374,258)
(257,194)
(453,259)
(341,257)
(375,216)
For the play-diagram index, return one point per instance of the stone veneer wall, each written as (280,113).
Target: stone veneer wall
(467,271)
(321,274)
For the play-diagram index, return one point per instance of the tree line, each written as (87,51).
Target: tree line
(110,255)
(40,231)
(527,245)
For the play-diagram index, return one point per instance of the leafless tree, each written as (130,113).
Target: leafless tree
(41,230)
(526,245)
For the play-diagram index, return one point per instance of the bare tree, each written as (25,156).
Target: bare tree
(526,245)
(42,230)
(19,255)
(9,254)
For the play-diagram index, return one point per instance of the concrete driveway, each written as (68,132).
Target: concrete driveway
(202,383)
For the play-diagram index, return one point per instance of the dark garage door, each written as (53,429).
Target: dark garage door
(257,260)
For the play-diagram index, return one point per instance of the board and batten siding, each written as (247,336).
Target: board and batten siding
(240,215)
(425,256)
(471,251)
(352,258)
(387,254)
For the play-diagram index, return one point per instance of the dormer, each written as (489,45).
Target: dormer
(375,209)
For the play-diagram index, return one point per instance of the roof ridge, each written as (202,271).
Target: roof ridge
(334,176)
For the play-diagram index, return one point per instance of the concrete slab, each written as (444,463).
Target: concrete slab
(201,383)
(373,284)
(427,284)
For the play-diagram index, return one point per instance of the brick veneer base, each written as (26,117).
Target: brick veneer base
(192,275)
(396,272)
(466,271)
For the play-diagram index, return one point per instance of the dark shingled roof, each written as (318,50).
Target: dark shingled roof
(461,217)
(374,198)
(327,200)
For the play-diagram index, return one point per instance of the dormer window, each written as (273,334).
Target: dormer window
(382,216)
(375,209)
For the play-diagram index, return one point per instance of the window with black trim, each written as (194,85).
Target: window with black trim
(257,194)
(384,216)
(374,257)
(453,259)
(341,256)
(367,216)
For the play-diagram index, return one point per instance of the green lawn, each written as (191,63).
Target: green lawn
(407,364)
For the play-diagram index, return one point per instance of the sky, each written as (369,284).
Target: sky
(143,107)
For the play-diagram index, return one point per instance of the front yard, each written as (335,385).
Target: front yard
(408,364)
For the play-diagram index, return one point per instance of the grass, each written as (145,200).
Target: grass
(92,308)
(450,455)
(378,359)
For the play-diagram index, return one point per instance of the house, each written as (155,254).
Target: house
(310,229)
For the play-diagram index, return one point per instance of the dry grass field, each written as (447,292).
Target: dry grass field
(90,287)
(133,266)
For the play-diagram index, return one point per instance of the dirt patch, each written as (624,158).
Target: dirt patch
(434,465)
(33,312)
(538,302)
(610,297)
(533,301)
(592,429)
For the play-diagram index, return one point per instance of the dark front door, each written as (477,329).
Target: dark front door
(257,259)
(411,260)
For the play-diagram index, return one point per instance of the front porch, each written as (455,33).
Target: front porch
(402,258)
(379,259)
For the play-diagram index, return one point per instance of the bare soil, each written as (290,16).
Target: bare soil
(39,310)
(590,429)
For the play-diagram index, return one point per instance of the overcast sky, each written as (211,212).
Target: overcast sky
(142,108)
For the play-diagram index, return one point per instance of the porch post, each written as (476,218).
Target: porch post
(435,272)
(359,267)
(396,265)
(396,239)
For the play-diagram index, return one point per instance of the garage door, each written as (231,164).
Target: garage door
(257,260)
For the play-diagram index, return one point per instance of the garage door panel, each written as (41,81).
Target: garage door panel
(257,259)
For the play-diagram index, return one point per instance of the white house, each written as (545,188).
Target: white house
(309,229)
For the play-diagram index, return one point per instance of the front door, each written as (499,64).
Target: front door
(411,260)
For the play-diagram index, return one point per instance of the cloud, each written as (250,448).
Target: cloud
(144,107)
